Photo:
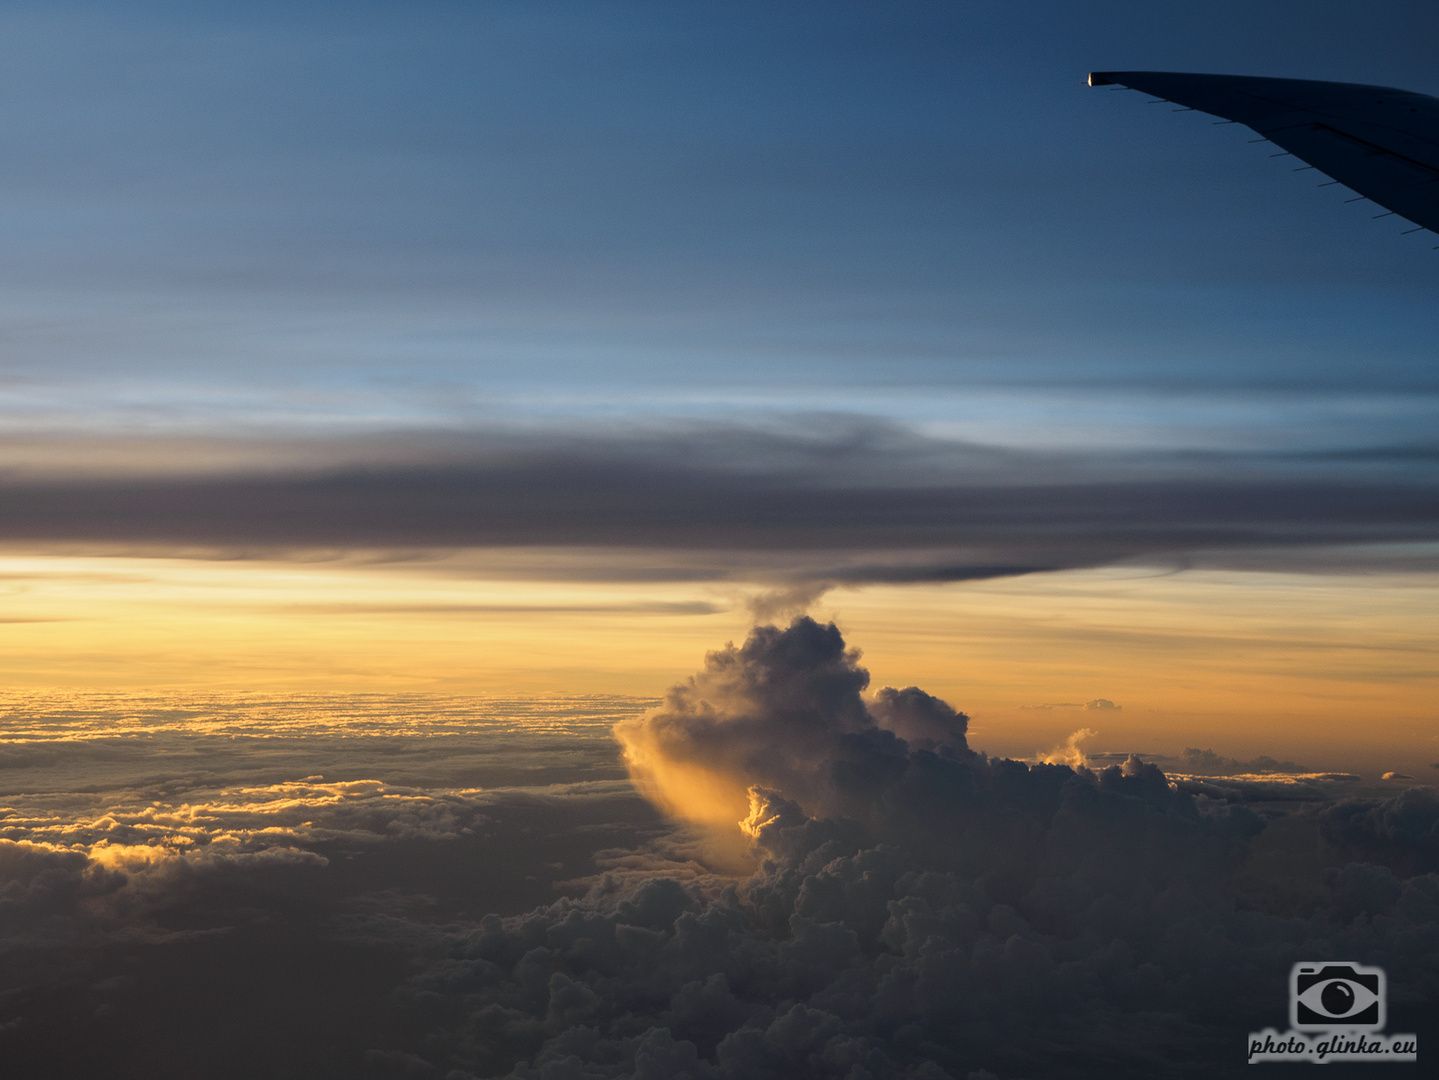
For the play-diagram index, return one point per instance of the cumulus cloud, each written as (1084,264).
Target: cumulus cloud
(784,711)
(1401,831)
(39,883)
(1069,752)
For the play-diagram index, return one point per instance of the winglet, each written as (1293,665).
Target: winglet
(1099,78)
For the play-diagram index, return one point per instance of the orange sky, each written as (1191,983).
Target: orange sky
(1324,669)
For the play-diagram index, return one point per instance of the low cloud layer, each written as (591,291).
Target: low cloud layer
(886,901)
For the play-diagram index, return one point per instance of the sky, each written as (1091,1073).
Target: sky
(395,399)
(647,314)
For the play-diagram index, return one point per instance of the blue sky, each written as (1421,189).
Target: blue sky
(291,217)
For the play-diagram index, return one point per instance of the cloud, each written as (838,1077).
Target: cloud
(1096,705)
(651,607)
(784,711)
(1401,831)
(786,602)
(846,504)
(1208,762)
(904,906)
(923,912)
(39,882)
(1266,787)
(1069,752)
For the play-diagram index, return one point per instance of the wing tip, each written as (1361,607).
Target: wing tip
(1100,78)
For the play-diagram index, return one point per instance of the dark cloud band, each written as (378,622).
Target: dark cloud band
(922,510)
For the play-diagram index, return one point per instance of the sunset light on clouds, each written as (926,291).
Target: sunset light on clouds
(660,540)
(1258,661)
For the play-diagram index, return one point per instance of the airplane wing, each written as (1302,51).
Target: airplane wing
(1381,142)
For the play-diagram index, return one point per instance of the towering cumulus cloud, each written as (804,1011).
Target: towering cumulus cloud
(783,713)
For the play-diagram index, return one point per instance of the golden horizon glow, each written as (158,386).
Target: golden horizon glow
(1248,662)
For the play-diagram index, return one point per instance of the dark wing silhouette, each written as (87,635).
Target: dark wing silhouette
(1381,142)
